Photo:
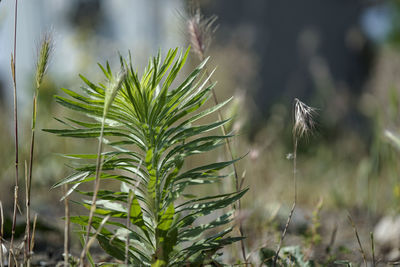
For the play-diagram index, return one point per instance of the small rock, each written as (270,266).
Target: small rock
(387,236)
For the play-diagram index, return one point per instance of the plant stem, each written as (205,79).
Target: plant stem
(29,179)
(95,192)
(358,240)
(66,227)
(372,249)
(26,242)
(294,203)
(13,59)
(1,235)
(32,243)
(128,225)
(230,152)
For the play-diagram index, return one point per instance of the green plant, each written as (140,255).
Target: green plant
(312,235)
(149,133)
(288,256)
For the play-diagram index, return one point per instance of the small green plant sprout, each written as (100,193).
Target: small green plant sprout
(312,236)
(149,128)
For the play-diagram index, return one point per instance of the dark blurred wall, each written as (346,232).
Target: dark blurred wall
(299,44)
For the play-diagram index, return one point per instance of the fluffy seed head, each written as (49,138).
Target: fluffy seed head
(200,31)
(46,47)
(303,119)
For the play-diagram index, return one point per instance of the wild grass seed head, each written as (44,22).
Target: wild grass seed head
(304,123)
(113,88)
(46,47)
(200,31)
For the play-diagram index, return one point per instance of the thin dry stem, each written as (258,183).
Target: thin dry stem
(93,238)
(235,172)
(1,234)
(128,225)
(13,60)
(66,227)
(89,243)
(111,92)
(11,249)
(358,240)
(303,125)
(32,242)
(41,68)
(371,234)
(95,191)
(27,246)
(332,240)
(29,180)
(294,203)
(200,30)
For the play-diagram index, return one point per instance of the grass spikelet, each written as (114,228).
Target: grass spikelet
(112,89)
(46,47)
(200,31)
(303,119)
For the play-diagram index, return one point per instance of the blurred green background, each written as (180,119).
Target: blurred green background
(341,57)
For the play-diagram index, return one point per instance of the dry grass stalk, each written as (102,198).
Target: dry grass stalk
(371,234)
(13,59)
(200,31)
(128,225)
(111,92)
(41,68)
(1,234)
(328,248)
(358,240)
(66,227)
(26,239)
(303,125)
(92,239)
(32,241)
